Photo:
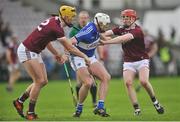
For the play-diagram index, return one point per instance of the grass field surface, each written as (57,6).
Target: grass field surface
(55,102)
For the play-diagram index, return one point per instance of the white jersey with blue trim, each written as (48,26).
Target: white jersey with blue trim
(87,39)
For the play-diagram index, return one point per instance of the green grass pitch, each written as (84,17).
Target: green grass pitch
(55,102)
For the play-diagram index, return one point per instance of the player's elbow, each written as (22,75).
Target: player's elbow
(71,50)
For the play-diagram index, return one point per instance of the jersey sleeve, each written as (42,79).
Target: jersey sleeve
(80,36)
(73,32)
(59,32)
(136,33)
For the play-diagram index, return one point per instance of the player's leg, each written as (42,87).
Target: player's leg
(139,86)
(128,76)
(93,91)
(78,64)
(78,85)
(98,70)
(40,80)
(9,87)
(144,80)
(12,80)
(87,81)
(18,103)
(36,71)
(14,75)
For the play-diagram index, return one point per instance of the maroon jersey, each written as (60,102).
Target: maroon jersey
(12,47)
(134,50)
(47,31)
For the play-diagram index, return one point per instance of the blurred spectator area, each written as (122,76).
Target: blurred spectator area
(22,19)
(164,20)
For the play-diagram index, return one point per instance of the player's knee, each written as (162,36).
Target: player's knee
(144,83)
(41,81)
(88,83)
(106,78)
(45,82)
(128,83)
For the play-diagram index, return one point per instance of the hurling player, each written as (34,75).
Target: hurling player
(136,59)
(29,55)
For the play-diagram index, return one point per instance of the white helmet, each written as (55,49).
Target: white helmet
(101,17)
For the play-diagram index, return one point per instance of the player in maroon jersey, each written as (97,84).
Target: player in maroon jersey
(13,64)
(29,55)
(136,60)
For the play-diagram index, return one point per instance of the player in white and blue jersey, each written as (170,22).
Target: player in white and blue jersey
(87,40)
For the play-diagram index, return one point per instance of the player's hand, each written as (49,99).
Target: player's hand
(61,58)
(87,60)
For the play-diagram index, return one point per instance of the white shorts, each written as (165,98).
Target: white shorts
(135,66)
(24,54)
(13,67)
(78,62)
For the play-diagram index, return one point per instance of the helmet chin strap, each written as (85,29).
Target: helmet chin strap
(69,25)
(101,31)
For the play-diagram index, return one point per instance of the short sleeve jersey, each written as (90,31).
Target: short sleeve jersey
(134,50)
(47,31)
(74,31)
(87,39)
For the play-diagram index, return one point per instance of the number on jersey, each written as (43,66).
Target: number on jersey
(43,24)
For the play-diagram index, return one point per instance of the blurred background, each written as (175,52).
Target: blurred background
(160,20)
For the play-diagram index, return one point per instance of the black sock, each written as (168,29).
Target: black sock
(31,106)
(153,99)
(93,91)
(77,90)
(23,97)
(136,106)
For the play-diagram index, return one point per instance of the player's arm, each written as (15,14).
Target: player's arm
(73,41)
(153,50)
(61,58)
(8,56)
(109,33)
(72,49)
(119,39)
(52,49)
(106,35)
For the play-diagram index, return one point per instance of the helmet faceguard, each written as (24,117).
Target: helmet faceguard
(102,20)
(67,13)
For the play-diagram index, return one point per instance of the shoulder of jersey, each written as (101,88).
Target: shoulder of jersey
(89,27)
(138,27)
(54,19)
(90,24)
